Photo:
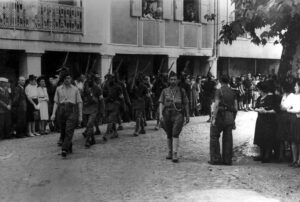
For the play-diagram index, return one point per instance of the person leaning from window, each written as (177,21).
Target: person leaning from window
(223,116)
(173,107)
(68,102)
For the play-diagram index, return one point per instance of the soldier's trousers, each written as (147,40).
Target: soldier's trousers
(215,132)
(172,122)
(90,120)
(140,120)
(68,120)
(5,125)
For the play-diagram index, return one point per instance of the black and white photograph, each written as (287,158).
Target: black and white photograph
(149,100)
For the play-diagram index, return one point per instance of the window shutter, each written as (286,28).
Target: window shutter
(178,9)
(167,9)
(204,10)
(136,8)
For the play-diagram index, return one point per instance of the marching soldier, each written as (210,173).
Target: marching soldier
(139,93)
(160,84)
(113,96)
(173,106)
(223,118)
(5,109)
(91,96)
(68,102)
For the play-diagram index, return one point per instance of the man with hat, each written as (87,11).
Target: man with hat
(173,106)
(222,121)
(68,102)
(5,109)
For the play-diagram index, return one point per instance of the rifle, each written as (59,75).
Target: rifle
(171,67)
(161,65)
(66,58)
(110,67)
(187,63)
(87,65)
(135,74)
(148,64)
(118,67)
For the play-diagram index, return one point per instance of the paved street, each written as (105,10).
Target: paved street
(135,169)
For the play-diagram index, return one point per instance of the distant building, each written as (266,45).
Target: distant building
(242,56)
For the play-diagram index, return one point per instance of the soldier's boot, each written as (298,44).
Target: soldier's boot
(71,149)
(98,132)
(108,130)
(175,144)
(142,131)
(115,133)
(120,127)
(170,153)
(137,127)
(93,141)
(87,142)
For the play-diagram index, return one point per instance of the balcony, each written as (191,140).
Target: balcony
(41,16)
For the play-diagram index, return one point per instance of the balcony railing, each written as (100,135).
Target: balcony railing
(40,16)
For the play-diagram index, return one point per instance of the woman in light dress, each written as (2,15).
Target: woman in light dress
(43,105)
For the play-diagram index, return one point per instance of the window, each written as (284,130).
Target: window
(152,9)
(190,11)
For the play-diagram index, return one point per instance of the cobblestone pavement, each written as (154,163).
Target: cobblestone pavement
(134,169)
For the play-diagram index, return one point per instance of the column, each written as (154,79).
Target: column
(105,66)
(213,64)
(31,63)
(172,64)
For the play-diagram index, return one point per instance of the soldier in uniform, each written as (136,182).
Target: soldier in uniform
(138,95)
(113,97)
(91,96)
(68,102)
(223,118)
(5,109)
(173,106)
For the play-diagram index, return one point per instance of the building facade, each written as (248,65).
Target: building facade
(39,36)
(242,56)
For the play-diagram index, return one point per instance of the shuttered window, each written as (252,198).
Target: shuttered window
(136,8)
(178,10)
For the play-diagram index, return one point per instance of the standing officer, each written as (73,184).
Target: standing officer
(68,102)
(173,105)
(223,117)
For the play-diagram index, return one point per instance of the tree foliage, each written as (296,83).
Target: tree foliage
(250,15)
(280,19)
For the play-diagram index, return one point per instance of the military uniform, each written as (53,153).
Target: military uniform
(5,114)
(112,93)
(175,102)
(139,94)
(158,87)
(91,98)
(224,123)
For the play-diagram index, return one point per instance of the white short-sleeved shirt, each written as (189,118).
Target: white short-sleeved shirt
(31,91)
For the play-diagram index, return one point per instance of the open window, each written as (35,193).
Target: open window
(191,11)
(152,9)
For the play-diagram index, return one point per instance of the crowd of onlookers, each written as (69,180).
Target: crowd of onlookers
(25,109)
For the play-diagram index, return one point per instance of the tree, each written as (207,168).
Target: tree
(280,19)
